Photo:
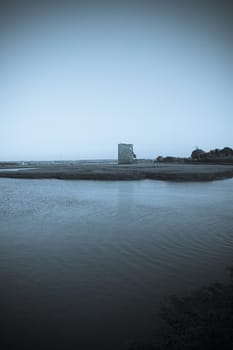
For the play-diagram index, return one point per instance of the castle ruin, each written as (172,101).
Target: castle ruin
(125,153)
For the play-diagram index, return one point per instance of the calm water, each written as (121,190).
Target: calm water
(84,264)
(15,169)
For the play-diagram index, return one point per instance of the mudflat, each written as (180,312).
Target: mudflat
(114,171)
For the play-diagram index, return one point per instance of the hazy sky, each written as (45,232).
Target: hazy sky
(77,78)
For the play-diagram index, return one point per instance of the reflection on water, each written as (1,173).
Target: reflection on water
(15,169)
(87,262)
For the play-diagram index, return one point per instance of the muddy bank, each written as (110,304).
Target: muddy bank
(137,171)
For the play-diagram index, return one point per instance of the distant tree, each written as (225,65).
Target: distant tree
(159,159)
(227,151)
(197,153)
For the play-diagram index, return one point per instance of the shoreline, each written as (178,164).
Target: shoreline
(114,172)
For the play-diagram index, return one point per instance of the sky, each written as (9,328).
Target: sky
(79,77)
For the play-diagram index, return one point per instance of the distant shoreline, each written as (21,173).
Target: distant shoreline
(111,171)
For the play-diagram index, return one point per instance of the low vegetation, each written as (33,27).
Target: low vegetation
(220,156)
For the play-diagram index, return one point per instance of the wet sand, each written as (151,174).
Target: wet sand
(113,171)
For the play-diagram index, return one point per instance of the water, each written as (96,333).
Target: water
(84,264)
(15,169)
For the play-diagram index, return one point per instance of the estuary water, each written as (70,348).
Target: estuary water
(85,264)
(15,169)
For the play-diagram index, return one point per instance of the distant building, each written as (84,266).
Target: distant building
(125,153)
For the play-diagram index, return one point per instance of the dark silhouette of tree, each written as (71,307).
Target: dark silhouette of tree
(197,153)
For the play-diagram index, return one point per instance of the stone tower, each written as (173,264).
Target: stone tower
(125,153)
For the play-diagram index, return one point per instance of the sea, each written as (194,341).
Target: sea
(86,264)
